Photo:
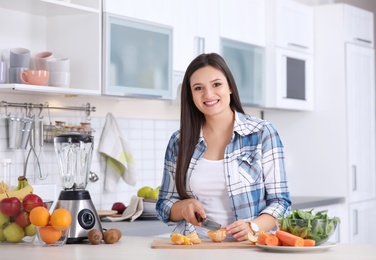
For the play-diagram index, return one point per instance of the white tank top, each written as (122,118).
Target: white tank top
(209,184)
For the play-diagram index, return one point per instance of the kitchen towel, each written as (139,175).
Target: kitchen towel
(119,161)
(132,212)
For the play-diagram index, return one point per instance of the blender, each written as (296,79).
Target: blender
(74,153)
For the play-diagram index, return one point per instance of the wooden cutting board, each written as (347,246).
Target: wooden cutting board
(205,244)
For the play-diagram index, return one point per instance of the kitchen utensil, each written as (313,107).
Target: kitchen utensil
(18,132)
(205,244)
(74,154)
(32,151)
(207,223)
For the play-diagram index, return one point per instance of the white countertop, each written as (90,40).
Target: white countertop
(140,248)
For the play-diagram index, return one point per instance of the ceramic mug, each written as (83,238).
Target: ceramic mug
(3,72)
(58,65)
(19,57)
(34,77)
(59,78)
(14,74)
(40,60)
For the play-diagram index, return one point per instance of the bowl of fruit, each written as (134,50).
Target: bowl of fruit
(52,229)
(307,225)
(15,225)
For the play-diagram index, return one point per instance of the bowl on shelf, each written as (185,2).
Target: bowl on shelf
(50,236)
(15,226)
(319,230)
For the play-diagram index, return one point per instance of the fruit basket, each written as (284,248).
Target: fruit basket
(15,225)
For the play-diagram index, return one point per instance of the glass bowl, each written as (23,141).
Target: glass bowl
(319,230)
(49,236)
(15,227)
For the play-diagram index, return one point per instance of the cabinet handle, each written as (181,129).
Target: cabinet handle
(355,213)
(363,40)
(144,96)
(298,45)
(199,45)
(353,169)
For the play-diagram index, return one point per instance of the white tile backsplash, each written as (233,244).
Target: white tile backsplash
(147,138)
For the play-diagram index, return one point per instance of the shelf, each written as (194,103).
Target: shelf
(47,7)
(32,89)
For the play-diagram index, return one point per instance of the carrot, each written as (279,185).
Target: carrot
(272,240)
(309,242)
(290,239)
(261,238)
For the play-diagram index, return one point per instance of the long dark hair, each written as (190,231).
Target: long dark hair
(191,118)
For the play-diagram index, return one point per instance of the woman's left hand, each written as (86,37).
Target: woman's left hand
(239,230)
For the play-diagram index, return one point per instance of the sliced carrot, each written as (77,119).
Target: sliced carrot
(290,239)
(309,242)
(261,238)
(272,240)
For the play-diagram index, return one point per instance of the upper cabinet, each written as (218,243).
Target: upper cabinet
(293,26)
(56,26)
(289,56)
(243,21)
(358,26)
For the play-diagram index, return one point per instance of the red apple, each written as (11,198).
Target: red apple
(31,201)
(119,207)
(10,206)
(22,219)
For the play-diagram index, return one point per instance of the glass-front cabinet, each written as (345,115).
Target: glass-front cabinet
(246,62)
(137,58)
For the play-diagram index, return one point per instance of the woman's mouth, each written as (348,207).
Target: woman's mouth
(211,103)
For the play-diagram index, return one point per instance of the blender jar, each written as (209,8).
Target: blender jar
(5,175)
(74,153)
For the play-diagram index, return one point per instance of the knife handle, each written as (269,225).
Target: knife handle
(198,217)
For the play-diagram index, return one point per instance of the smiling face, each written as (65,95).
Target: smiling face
(210,91)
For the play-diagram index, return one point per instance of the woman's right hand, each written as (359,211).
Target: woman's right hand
(186,209)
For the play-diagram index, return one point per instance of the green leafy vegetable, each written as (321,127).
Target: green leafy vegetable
(308,225)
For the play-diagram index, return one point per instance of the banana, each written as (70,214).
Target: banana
(23,188)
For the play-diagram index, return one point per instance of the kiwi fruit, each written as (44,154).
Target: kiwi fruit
(95,236)
(111,236)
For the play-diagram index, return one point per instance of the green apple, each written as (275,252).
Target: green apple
(153,194)
(30,230)
(3,219)
(13,232)
(2,237)
(143,191)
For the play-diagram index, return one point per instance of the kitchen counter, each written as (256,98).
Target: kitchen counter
(155,227)
(140,248)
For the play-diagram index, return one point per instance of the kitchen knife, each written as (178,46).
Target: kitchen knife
(207,223)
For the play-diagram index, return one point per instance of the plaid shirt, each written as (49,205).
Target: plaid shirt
(254,167)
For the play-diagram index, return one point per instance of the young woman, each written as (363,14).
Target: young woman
(222,164)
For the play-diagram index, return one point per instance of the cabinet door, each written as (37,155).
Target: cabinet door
(294,80)
(360,73)
(362,222)
(246,62)
(207,24)
(358,26)
(294,25)
(243,20)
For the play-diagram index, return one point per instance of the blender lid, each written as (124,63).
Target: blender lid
(74,138)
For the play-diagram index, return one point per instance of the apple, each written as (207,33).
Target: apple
(3,220)
(22,218)
(153,194)
(2,237)
(13,232)
(31,201)
(119,207)
(10,206)
(30,230)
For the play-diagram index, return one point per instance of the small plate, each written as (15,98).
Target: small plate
(290,249)
(105,213)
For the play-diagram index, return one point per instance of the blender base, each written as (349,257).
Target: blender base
(84,214)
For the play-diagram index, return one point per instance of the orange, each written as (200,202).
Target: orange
(39,216)
(49,234)
(61,219)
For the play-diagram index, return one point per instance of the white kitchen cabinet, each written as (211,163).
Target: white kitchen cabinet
(243,20)
(56,26)
(362,222)
(294,25)
(289,56)
(345,116)
(358,26)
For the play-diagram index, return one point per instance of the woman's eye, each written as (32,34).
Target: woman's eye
(197,88)
(217,84)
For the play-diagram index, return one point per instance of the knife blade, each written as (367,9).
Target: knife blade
(207,223)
